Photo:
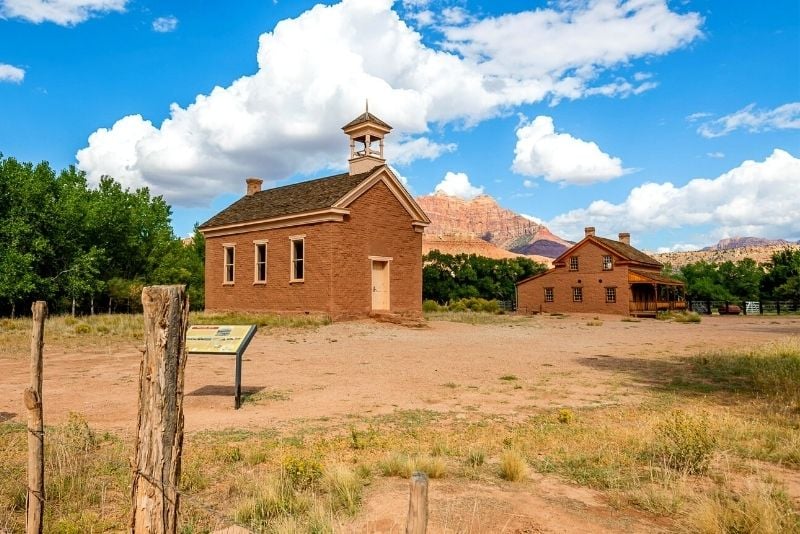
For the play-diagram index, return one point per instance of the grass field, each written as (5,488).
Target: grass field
(713,447)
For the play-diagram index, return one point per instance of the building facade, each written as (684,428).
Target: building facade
(600,275)
(347,245)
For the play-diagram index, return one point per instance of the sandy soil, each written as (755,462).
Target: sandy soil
(364,367)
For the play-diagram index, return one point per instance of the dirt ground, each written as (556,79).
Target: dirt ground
(366,368)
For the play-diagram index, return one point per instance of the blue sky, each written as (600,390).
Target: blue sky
(676,121)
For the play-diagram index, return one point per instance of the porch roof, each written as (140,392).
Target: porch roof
(644,277)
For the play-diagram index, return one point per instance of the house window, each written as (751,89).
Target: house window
(607,263)
(548,294)
(573,263)
(229,257)
(577,294)
(611,295)
(260,262)
(298,258)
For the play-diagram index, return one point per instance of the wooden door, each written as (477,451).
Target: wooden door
(380,285)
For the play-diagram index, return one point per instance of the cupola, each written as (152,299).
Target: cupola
(366,134)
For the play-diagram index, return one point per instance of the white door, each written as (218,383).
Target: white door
(380,285)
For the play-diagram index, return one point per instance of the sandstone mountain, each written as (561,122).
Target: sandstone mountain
(749,242)
(483,218)
(759,254)
(469,244)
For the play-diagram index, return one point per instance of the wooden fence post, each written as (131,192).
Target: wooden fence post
(418,505)
(157,459)
(34,507)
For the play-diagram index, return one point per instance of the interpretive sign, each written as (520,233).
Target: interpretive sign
(222,339)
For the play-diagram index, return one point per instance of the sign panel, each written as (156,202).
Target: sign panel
(218,339)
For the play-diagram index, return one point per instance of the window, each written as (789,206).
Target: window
(577,294)
(607,263)
(573,263)
(298,257)
(548,294)
(229,257)
(260,262)
(611,295)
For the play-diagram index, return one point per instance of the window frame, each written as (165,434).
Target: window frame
(577,294)
(610,265)
(574,260)
(612,290)
(225,248)
(256,244)
(293,260)
(549,294)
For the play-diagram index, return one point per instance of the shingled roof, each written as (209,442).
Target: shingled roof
(365,117)
(292,199)
(658,278)
(627,251)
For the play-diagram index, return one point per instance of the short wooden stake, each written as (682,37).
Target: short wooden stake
(418,505)
(157,459)
(34,507)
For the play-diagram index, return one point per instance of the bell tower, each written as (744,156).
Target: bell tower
(365,132)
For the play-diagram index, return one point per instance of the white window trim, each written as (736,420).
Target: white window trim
(577,263)
(225,247)
(380,258)
(256,243)
(610,262)
(574,293)
(552,294)
(292,240)
(615,295)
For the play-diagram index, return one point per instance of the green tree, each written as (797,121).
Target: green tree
(782,279)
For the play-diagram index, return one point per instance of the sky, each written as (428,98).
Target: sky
(677,121)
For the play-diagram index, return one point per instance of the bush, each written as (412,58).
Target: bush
(566,416)
(684,442)
(430,306)
(475,458)
(345,489)
(302,472)
(679,316)
(457,306)
(83,328)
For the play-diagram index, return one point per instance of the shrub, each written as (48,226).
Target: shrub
(759,508)
(83,328)
(345,489)
(684,442)
(433,467)
(679,316)
(396,465)
(429,306)
(277,498)
(513,466)
(457,306)
(565,416)
(476,458)
(301,472)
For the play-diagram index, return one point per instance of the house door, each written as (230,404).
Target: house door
(380,285)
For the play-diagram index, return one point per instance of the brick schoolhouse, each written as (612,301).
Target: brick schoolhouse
(600,275)
(346,245)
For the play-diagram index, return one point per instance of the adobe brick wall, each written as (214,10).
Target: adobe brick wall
(378,225)
(338,276)
(590,276)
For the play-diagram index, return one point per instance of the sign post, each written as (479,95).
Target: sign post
(222,339)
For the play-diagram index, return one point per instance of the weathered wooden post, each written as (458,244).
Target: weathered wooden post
(418,505)
(34,507)
(157,459)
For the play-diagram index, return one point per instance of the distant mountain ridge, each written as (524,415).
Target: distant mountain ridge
(741,242)
(482,217)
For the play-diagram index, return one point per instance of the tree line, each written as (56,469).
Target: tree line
(743,280)
(447,277)
(86,249)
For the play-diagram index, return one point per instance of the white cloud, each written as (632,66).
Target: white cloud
(62,12)
(530,184)
(756,198)
(559,157)
(314,73)
(537,220)
(715,155)
(10,73)
(165,24)
(751,119)
(453,16)
(694,117)
(456,184)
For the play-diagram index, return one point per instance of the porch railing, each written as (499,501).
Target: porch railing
(653,306)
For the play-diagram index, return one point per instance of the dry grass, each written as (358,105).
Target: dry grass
(513,466)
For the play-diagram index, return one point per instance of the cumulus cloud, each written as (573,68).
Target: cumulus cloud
(314,73)
(751,119)
(679,247)
(559,157)
(165,24)
(10,73)
(61,12)
(752,199)
(456,184)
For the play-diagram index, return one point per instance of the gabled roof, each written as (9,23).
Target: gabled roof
(626,252)
(366,117)
(303,197)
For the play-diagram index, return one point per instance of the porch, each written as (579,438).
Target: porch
(652,293)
